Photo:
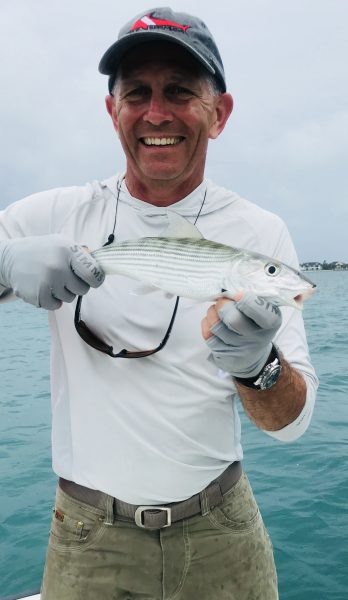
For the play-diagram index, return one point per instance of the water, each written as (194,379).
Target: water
(302,488)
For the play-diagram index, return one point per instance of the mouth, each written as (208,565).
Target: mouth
(161,141)
(299,299)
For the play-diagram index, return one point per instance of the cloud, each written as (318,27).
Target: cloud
(312,144)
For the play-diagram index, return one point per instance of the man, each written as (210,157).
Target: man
(152,502)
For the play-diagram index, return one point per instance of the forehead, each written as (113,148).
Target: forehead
(170,57)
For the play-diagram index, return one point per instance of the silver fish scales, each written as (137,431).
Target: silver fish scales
(201,269)
(181,266)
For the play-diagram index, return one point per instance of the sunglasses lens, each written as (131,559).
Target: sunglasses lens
(92,340)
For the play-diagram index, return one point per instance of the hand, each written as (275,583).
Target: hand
(240,333)
(47,270)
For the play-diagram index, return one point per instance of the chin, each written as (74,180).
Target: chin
(161,174)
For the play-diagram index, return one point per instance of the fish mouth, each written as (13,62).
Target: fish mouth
(298,300)
(161,141)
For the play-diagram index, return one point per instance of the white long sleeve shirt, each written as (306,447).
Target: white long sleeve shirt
(157,429)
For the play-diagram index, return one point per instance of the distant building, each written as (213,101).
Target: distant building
(311,266)
(317,266)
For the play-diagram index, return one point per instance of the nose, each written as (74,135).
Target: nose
(158,111)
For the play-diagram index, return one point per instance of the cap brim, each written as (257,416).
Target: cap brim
(111,59)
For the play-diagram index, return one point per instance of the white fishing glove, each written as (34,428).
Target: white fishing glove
(242,341)
(47,270)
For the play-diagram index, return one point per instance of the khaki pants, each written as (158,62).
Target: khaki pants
(223,555)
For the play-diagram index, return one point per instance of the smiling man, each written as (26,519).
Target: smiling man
(152,501)
(165,109)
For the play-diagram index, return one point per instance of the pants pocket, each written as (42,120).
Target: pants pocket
(239,512)
(75,525)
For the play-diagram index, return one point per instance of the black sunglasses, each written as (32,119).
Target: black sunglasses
(95,342)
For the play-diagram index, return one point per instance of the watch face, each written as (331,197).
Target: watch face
(270,376)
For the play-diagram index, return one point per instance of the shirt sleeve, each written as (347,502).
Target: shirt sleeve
(297,428)
(292,342)
(26,217)
(42,213)
(39,214)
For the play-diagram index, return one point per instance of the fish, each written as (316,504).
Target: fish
(184,263)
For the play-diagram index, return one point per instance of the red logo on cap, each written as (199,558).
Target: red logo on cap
(149,22)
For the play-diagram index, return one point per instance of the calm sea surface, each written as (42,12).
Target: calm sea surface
(302,488)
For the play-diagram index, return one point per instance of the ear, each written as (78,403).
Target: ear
(223,109)
(110,107)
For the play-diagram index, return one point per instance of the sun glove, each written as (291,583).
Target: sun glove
(47,270)
(242,340)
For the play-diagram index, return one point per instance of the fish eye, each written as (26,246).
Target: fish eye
(272,269)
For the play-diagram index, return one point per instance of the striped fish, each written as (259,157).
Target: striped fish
(183,263)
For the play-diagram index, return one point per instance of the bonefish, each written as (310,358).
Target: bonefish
(183,263)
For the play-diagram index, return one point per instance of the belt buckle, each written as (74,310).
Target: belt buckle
(141,509)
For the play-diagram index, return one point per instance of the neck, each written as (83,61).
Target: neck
(158,192)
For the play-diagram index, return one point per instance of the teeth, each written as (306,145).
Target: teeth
(161,141)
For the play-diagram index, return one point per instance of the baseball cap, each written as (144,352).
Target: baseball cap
(163,24)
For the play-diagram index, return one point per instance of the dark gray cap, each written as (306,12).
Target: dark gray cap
(163,24)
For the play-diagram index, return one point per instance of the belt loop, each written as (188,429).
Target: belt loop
(204,503)
(109,520)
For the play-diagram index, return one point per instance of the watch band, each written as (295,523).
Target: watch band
(256,382)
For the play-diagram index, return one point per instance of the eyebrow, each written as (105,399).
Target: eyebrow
(186,81)
(177,75)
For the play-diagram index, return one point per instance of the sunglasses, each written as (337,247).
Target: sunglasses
(98,344)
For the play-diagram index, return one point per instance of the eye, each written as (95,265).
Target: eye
(137,93)
(179,92)
(272,269)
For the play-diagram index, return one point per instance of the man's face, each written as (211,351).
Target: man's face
(164,112)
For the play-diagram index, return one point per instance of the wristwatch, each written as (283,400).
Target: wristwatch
(268,376)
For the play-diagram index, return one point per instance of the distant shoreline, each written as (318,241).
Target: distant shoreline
(325,266)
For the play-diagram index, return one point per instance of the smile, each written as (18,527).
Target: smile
(161,141)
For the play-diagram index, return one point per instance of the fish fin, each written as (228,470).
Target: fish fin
(143,289)
(179,227)
(236,296)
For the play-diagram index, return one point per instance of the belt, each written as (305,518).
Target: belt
(156,517)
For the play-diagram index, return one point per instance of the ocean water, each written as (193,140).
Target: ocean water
(302,488)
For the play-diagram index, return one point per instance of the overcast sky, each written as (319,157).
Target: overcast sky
(285,146)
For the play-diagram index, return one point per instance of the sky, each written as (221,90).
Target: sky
(285,146)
